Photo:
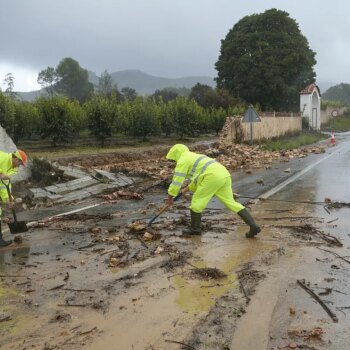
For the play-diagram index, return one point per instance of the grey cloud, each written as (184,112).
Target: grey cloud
(160,37)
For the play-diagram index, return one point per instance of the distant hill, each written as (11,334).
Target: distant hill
(143,83)
(340,92)
(31,95)
(146,84)
(324,85)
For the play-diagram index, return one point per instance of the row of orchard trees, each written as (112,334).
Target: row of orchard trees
(59,118)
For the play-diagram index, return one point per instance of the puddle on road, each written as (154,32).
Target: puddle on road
(199,296)
(168,308)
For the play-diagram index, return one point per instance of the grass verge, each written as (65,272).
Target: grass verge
(292,142)
(338,124)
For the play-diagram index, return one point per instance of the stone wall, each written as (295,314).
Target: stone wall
(271,125)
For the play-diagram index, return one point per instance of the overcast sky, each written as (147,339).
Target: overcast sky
(167,38)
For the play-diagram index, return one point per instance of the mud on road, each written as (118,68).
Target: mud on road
(96,280)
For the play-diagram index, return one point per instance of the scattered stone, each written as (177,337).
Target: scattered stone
(95,230)
(18,239)
(113,262)
(61,316)
(148,236)
(5,316)
(136,227)
(159,250)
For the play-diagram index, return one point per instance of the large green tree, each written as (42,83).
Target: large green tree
(60,118)
(26,121)
(10,82)
(73,81)
(100,113)
(47,78)
(128,93)
(144,118)
(266,60)
(7,112)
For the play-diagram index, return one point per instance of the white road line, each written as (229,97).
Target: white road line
(32,223)
(296,176)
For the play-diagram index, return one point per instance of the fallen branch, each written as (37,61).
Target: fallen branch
(110,251)
(330,239)
(244,291)
(10,276)
(343,307)
(89,331)
(87,246)
(329,222)
(332,315)
(179,342)
(287,218)
(80,290)
(57,287)
(335,254)
(213,285)
(75,305)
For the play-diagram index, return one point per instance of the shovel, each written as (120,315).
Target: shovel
(15,226)
(166,207)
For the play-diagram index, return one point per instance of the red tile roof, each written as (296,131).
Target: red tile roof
(310,89)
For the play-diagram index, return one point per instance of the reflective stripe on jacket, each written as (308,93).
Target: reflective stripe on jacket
(6,167)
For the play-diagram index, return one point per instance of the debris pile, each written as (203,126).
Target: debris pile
(121,195)
(306,231)
(245,156)
(207,273)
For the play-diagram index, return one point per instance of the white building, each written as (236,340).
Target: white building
(310,105)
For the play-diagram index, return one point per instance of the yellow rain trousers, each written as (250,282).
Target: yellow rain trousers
(206,177)
(6,168)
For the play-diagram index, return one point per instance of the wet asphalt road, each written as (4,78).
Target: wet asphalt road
(253,185)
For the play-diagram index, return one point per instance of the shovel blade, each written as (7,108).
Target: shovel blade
(17,227)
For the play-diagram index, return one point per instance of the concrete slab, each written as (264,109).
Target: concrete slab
(73,185)
(73,171)
(82,187)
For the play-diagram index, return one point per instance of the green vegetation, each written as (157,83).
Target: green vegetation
(68,79)
(330,103)
(340,92)
(265,59)
(338,124)
(292,142)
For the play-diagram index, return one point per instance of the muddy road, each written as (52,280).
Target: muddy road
(92,279)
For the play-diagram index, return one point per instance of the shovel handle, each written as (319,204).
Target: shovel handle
(160,212)
(10,198)
(166,207)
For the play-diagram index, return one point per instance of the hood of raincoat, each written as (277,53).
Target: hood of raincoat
(177,151)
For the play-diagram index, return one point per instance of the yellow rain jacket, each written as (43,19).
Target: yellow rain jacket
(6,168)
(206,178)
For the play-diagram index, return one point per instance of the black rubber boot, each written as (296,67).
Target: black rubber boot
(247,218)
(3,243)
(195,228)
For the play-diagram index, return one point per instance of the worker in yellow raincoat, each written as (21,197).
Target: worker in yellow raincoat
(9,162)
(207,178)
